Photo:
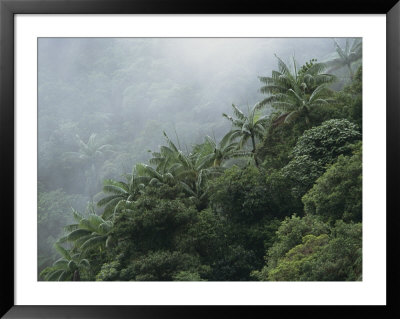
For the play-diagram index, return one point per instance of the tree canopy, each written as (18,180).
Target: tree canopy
(277,196)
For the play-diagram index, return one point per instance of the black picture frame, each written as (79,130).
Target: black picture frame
(8,8)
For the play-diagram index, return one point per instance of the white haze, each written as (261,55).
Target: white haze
(129,90)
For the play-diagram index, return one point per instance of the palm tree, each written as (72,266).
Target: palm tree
(304,79)
(120,193)
(89,153)
(296,91)
(166,156)
(214,154)
(89,233)
(199,190)
(67,268)
(172,165)
(348,55)
(165,163)
(155,178)
(248,127)
(296,103)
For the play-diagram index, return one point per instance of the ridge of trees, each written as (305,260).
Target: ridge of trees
(278,197)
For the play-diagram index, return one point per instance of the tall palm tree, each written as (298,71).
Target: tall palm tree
(120,193)
(67,268)
(250,126)
(296,90)
(347,56)
(303,79)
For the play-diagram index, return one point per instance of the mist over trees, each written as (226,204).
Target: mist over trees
(199,158)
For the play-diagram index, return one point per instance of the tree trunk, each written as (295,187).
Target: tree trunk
(254,150)
(351,72)
(77,277)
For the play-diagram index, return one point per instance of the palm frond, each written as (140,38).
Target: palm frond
(76,234)
(62,251)
(115,187)
(109,208)
(187,188)
(76,215)
(61,263)
(94,242)
(53,276)
(230,118)
(291,116)
(170,143)
(86,224)
(339,50)
(104,201)
(293,93)
(70,228)
(238,113)
(317,92)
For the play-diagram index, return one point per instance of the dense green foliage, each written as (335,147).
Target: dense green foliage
(314,252)
(278,197)
(337,194)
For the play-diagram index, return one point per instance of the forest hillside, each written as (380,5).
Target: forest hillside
(200,159)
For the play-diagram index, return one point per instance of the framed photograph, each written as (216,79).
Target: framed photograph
(166,158)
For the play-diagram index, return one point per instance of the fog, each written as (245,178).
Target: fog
(128,91)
